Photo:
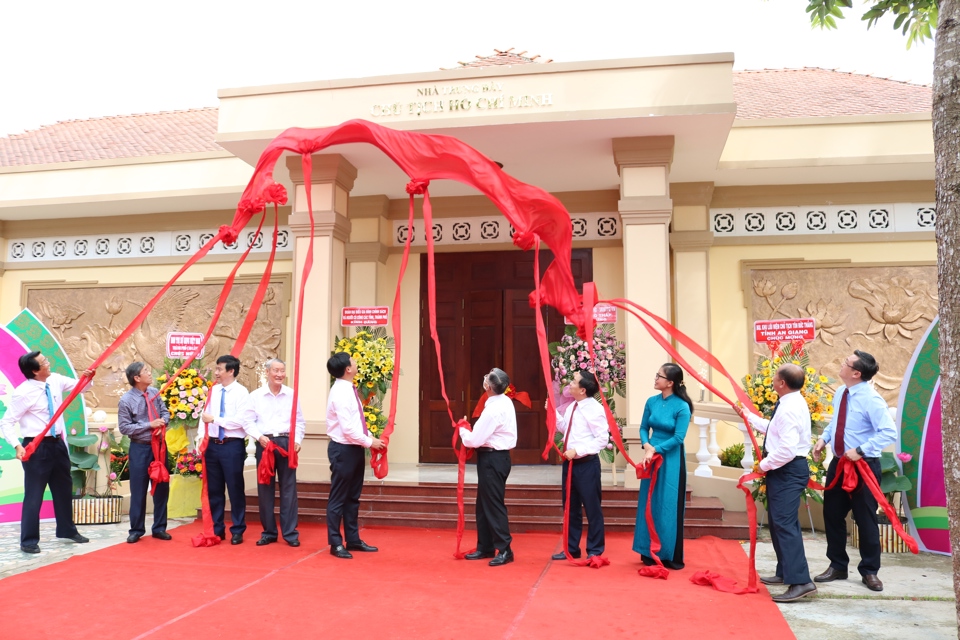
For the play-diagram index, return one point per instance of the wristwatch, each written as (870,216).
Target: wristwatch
(860,452)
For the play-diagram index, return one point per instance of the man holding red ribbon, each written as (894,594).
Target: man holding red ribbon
(267,418)
(33,403)
(861,427)
(785,463)
(142,416)
(585,434)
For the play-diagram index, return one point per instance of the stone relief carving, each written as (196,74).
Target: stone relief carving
(87,319)
(883,310)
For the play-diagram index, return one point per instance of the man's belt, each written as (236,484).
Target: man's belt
(223,440)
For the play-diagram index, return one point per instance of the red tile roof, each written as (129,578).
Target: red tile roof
(818,93)
(771,93)
(133,136)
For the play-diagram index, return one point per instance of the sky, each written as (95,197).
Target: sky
(67,60)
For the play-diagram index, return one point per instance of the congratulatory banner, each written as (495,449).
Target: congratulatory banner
(23,334)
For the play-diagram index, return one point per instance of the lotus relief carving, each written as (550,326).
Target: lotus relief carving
(766,289)
(898,306)
(829,318)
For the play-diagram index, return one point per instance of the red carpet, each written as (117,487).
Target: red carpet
(412,588)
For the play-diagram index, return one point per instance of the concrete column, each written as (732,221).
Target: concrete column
(367,250)
(331,182)
(645,212)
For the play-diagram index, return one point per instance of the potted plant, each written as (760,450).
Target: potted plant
(94,505)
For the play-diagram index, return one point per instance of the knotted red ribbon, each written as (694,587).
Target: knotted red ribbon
(651,472)
(268,463)
(206,538)
(520,396)
(157,471)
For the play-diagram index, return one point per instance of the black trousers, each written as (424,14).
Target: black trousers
(266,495)
(837,503)
(49,465)
(493,528)
(784,490)
(346,484)
(585,495)
(225,476)
(141,455)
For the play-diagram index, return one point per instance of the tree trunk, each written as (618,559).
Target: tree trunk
(946,141)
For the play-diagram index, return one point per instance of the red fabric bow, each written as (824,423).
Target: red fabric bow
(158,468)
(520,396)
(268,463)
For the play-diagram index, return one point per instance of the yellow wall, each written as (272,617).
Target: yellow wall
(729,317)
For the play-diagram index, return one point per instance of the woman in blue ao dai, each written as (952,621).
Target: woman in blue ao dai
(666,416)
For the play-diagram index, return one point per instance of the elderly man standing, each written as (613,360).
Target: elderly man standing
(141,414)
(861,427)
(785,463)
(33,403)
(267,419)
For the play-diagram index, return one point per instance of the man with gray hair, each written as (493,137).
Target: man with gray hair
(494,434)
(267,419)
(141,413)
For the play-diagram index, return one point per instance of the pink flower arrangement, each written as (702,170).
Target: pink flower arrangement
(904,456)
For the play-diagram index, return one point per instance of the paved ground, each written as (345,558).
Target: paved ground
(917,600)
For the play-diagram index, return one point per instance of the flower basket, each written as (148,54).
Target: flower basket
(184,497)
(94,510)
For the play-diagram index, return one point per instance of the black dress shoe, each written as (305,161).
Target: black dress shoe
(562,556)
(265,541)
(479,555)
(293,543)
(796,591)
(771,579)
(340,551)
(78,538)
(236,538)
(162,535)
(133,537)
(830,575)
(360,545)
(502,558)
(873,582)
(29,548)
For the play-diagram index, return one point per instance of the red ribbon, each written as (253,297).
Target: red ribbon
(206,538)
(157,471)
(651,472)
(520,396)
(267,467)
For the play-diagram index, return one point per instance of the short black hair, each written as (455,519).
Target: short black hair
(793,376)
(588,382)
(230,363)
(338,363)
(866,364)
(29,365)
(498,380)
(133,370)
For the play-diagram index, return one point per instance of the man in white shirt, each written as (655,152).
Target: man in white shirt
(349,436)
(584,425)
(223,420)
(494,434)
(267,419)
(33,403)
(785,463)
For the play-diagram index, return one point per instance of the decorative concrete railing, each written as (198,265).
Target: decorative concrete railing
(706,415)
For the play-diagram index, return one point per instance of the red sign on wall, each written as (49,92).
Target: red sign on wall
(364,316)
(602,314)
(180,345)
(785,330)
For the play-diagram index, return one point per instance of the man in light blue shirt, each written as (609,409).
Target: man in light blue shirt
(861,427)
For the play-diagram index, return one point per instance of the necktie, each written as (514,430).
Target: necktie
(363,419)
(569,426)
(223,410)
(838,449)
(776,406)
(50,412)
(151,410)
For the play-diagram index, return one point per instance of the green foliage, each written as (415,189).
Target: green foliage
(916,19)
(732,456)
(891,482)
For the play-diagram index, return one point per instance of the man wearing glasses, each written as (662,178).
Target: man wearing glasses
(861,427)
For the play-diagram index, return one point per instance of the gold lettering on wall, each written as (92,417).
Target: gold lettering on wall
(463,98)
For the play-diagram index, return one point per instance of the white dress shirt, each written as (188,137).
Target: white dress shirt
(496,427)
(590,433)
(234,405)
(267,414)
(788,433)
(345,422)
(28,406)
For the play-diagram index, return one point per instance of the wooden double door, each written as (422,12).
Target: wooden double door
(484,320)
